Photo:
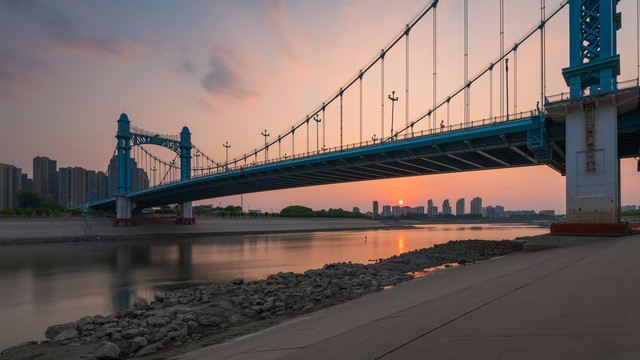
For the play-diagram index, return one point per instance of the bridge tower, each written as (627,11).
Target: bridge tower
(124,206)
(592,163)
(127,139)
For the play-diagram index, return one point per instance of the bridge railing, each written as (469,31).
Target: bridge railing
(622,85)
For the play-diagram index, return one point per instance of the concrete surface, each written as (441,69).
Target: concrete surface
(579,302)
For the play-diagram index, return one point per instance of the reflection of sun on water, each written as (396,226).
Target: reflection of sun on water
(400,244)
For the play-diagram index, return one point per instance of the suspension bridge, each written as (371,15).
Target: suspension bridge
(581,134)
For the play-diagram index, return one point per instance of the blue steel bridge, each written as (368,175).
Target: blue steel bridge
(607,113)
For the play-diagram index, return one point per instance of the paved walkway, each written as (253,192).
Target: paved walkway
(580,302)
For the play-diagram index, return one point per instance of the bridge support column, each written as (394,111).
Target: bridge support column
(124,207)
(593,168)
(186,213)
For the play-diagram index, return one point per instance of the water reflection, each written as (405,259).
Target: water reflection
(55,283)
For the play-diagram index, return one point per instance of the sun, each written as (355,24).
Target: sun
(400,202)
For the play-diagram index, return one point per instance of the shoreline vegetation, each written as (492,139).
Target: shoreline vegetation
(178,321)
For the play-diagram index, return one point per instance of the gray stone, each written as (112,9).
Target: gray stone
(156,321)
(53,330)
(208,320)
(149,349)
(107,350)
(132,333)
(65,335)
(182,309)
(138,343)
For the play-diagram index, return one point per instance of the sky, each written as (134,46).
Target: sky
(231,69)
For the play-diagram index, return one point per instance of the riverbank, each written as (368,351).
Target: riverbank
(184,320)
(16,231)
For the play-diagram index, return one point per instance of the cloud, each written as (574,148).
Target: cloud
(63,31)
(187,67)
(277,16)
(225,77)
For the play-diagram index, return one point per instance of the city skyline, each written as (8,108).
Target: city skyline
(231,85)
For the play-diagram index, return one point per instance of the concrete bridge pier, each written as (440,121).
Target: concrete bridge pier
(186,213)
(593,166)
(124,207)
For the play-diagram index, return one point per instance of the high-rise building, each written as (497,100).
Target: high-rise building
(476,205)
(375,208)
(45,177)
(460,206)
(435,211)
(356,210)
(72,183)
(396,210)
(10,184)
(96,185)
(446,207)
(386,210)
(500,211)
(139,177)
(418,210)
(489,211)
(27,184)
(430,212)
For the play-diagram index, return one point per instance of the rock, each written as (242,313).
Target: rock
(65,335)
(107,350)
(208,320)
(237,281)
(159,296)
(132,333)
(182,309)
(53,330)
(138,343)
(140,303)
(156,321)
(16,347)
(149,349)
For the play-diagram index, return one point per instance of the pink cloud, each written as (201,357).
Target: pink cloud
(279,24)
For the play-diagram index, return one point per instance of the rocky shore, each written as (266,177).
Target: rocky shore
(181,320)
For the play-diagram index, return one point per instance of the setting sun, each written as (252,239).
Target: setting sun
(400,202)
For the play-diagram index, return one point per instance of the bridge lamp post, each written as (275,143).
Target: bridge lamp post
(226,148)
(317,120)
(266,149)
(393,101)
(506,67)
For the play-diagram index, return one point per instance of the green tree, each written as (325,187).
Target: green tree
(29,199)
(296,211)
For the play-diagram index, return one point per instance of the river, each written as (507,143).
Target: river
(49,284)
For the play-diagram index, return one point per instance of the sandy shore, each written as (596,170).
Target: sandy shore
(14,231)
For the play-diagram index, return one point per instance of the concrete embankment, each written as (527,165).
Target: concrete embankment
(49,230)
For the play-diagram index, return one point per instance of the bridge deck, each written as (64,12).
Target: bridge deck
(482,147)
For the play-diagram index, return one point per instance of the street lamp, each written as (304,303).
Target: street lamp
(393,101)
(226,146)
(266,149)
(318,120)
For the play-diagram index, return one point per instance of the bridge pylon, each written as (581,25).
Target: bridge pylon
(591,115)
(128,138)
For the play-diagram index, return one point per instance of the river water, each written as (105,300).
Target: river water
(50,284)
